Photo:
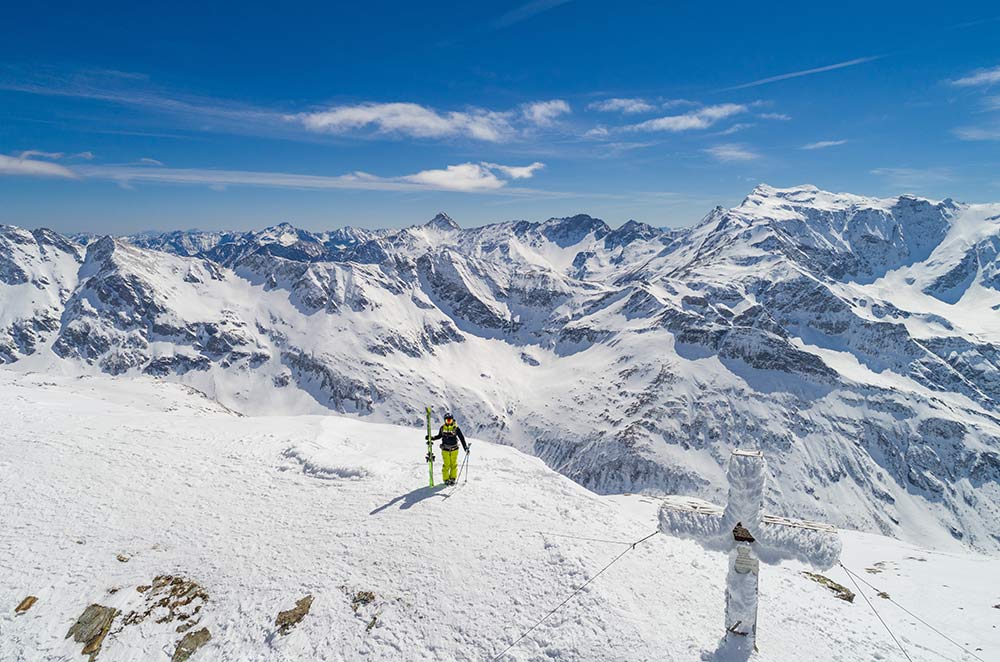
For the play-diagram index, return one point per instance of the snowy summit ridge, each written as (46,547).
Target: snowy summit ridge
(855,340)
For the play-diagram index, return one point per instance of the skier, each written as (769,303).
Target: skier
(450,434)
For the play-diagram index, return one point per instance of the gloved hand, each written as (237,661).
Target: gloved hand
(428,438)
(468,447)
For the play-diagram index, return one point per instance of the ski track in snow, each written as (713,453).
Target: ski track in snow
(263,511)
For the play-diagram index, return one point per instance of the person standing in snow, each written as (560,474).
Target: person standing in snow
(450,434)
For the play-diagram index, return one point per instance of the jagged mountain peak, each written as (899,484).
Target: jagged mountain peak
(633,224)
(576,220)
(765,189)
(764,199)
(630,231)
(840,235)
(13,232)
(283,233)
(570,230)
(442,221)
(100,248)
(767,197)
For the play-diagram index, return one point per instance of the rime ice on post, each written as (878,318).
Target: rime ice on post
(749,536)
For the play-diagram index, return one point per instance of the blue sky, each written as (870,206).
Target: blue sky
(117,117)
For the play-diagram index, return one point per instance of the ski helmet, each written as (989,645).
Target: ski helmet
(449,417)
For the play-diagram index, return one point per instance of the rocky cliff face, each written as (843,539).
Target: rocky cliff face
(855,340)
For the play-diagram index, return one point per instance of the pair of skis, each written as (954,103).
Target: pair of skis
(430,449)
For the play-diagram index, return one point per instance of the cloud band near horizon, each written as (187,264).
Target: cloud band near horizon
(463,178)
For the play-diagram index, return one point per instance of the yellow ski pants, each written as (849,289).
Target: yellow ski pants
(449,467)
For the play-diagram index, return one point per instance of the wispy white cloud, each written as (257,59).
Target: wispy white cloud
(27,166)
(976,133)
(984,79)
(55,156)
(409,119)
(193,108)
(823,144)
(526,11)
(978,21)
(979,77)
(615,149)
(418,121)
(464,177)
(116,73)
(914,178)
(677,103)
(598,132)
(734,129)
(702,118)
(544,113)
(619,105)
(221,115)
(730,152)
(775,116)
(403,118)
(36,153)
(804,72)
(517,172)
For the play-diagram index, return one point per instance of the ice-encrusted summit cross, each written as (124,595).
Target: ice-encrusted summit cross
(749,536)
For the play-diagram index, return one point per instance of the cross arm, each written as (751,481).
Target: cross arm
(776,538)
(694,519)
(781,538)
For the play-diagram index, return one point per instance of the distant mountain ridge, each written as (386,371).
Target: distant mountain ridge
(855,340)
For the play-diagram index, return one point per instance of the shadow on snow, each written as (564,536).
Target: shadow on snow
(411,499)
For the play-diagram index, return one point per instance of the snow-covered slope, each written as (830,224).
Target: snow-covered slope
(145,497)
(38,271)
(855,340)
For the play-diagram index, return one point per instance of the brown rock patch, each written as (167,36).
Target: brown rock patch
(191,642)
(838,590)
(286,620)
(25,604)
(362,598)
(171,598)
(91,628)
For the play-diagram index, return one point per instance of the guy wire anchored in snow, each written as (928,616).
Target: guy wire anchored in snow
(572,595)
(632,545)
(853,575)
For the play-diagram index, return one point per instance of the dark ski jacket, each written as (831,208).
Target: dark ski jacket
(450,435)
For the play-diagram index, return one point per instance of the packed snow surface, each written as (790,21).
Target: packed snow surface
(106,485)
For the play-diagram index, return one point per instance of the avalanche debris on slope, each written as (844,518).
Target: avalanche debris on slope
(843,335)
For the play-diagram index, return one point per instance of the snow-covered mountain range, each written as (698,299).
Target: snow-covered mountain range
(855,340)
